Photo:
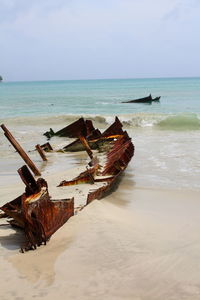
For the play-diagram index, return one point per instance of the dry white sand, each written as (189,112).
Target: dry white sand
(137,243)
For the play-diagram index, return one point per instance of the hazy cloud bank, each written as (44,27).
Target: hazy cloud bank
(84,39)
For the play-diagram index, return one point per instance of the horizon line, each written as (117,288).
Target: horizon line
(95,79)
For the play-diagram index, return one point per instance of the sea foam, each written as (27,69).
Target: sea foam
(159,121)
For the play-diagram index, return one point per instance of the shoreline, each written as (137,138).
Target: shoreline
(140,244)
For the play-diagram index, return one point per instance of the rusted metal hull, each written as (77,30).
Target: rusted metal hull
(147,100)
(84,177)
(35,213)
(78,128)
(118,149)
(117,160)
(96,139)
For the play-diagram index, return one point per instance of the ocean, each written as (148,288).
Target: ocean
(98,97)
(166,134)
(144,236)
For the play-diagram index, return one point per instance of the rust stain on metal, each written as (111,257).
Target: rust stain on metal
(78,128)
(117,160)
(84,177)
(46,147)
(118,148)
(41,152)
(35,213)
(86,146)
(115,128)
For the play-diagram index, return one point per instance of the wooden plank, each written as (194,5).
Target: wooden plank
(20,150)
(46,147)
(86,146)
(41,152)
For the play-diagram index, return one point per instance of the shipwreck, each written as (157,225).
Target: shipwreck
(34,211)
(147,100)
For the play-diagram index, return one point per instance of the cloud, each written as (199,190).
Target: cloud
(50,19)
(182,9)
(85,38)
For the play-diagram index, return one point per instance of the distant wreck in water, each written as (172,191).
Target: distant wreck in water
(40,216)
(147,99)
(1,78)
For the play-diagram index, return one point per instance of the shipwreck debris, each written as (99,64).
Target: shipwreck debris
(118,150)
(41,152)
(95,138)
(147,100)
(115,128)
(117,160)
(84,177)
(20,150)
(78,128)
(46,147)
(35,213)
(86,146)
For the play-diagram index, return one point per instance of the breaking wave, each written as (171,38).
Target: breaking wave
(180,122)
(159,121)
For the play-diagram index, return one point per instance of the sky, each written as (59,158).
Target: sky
(88,39)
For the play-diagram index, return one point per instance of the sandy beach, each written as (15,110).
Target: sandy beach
(138,245)
(135,63)
(140,242)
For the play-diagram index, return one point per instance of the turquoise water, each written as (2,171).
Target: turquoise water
(166,135)
(99,97)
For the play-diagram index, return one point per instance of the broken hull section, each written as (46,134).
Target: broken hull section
(35,213)
(118,150)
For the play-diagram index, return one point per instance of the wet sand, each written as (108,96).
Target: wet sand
(140,242)
(137,243)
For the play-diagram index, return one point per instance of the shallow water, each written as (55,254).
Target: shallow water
(163,158)
(102,97)
(144,237)
(166,134)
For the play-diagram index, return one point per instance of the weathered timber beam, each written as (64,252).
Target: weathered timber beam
(41,152)
(86,146)
(46,147)
(20,150)
(28,180)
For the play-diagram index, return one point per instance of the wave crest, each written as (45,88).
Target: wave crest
(180,122)
(159,121)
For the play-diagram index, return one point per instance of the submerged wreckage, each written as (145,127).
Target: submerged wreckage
(40,216)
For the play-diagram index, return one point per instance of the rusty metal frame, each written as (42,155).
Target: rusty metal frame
(119,150)
(36,213)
